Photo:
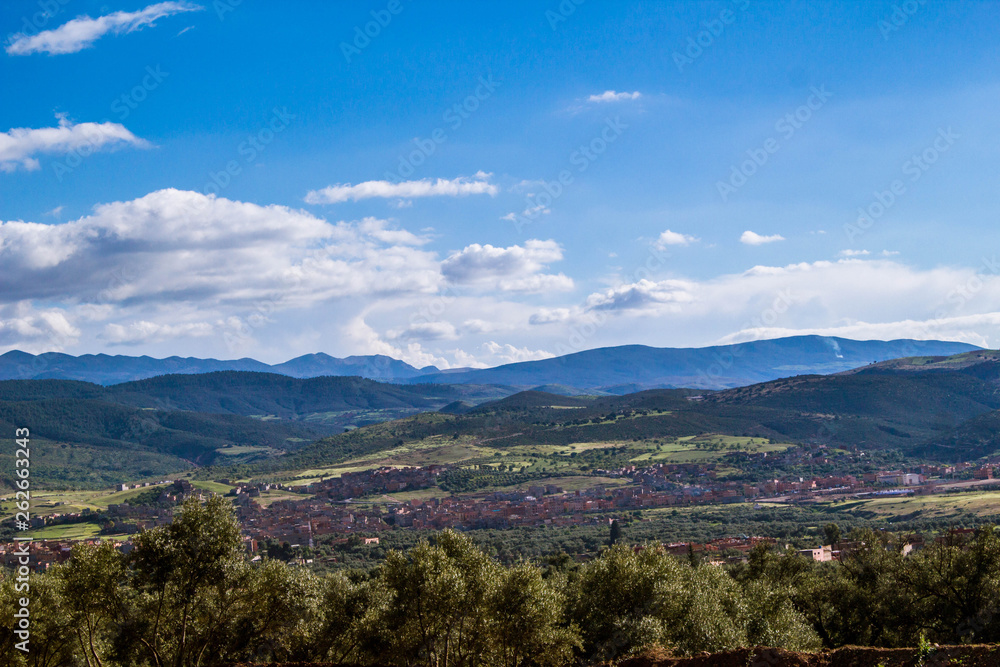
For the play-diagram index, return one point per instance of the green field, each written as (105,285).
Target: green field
(71,531)
(215,487)
(238,450)
(937,506)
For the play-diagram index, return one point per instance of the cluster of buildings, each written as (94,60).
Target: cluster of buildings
(42,554)
(329,506)
(693,483)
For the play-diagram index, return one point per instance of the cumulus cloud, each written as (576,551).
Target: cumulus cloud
(35,330)
(426,331)
(550,316)
(173,246)
(83,31)
(141,332)
(20,145)
(612,96)
(753,238)
(513,269)
(642,295)
(367,341)
(668,238)
(380,230)
(478,326)
(456,187)
(505,353)
(874,298)
(854,253)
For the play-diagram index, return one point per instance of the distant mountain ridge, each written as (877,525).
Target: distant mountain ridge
(107,369)
(615,370)
(630,368)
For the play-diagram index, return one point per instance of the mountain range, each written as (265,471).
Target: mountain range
(611,370)
(948,411)
(89,435)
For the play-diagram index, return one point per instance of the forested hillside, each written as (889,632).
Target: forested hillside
(939,414)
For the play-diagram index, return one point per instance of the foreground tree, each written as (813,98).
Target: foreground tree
(628,600)
(93,584)
(183,578)
(53,641)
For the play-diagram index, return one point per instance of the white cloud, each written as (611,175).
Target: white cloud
(477,326)
(550,316)
(753,238)
(19,146)
(513,269)
(426,331)
(668,238)
(174,246)
(854,253)
(142,332)
(972,329)
(874,298)
(612,96)
(531,212)
(508,354)
(456,187)
(367,341)
(377,229)
(35,330)
(642,295)
(83,31)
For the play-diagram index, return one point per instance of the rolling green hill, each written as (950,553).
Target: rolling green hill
(154,427)
(933,407)
(333,402)
(938,414)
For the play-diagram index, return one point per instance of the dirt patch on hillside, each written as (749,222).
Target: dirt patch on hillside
(847,656)
(977,655)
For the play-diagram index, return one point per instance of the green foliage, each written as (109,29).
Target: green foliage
(628,600)
(831,533)
(615,533)
(187,596)
(463,480)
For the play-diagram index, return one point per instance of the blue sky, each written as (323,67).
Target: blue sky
(254,179)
